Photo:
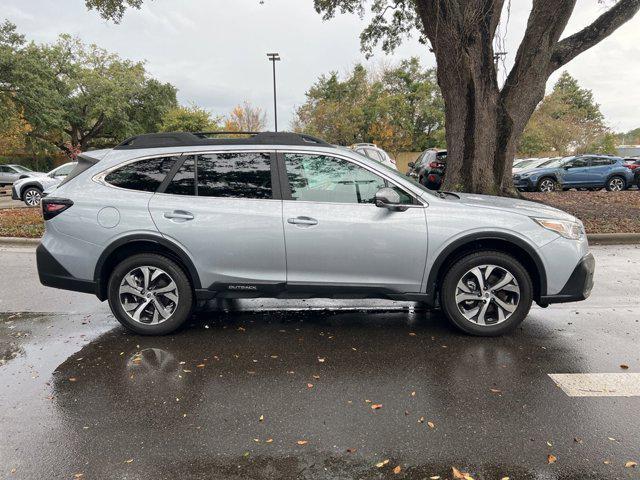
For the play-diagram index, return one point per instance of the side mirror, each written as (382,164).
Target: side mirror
(411,164)
(388,198)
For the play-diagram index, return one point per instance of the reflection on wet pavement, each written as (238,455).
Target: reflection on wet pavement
(236,394)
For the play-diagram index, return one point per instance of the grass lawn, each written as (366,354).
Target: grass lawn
(601,212)
(21,222)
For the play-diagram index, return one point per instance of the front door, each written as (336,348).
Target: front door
(336,237)
(221,208)
(576,173)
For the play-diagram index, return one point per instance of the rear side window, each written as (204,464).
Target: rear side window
(235,175)
(599,162)
(144,175)
(184,181)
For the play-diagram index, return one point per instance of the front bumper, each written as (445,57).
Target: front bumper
(579,285)
(523,183)
(52,274)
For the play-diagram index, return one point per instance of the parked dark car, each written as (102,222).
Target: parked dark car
(632,163)
(591,172)
(429,168)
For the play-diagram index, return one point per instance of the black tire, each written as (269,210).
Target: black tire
(32,194)
(544,181)
(616,184)
(181,312)
(456,273)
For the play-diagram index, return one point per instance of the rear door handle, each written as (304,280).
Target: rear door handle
(179,215)
(302,221)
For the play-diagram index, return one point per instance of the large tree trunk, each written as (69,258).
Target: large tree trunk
(484,123)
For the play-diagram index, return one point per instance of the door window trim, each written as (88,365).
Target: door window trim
(286,186)
(276,191)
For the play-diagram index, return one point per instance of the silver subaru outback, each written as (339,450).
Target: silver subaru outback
(164,221)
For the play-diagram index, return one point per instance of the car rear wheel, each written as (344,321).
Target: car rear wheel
(486,293)
(32,196)
(616,184)
(547,185)
(150,294)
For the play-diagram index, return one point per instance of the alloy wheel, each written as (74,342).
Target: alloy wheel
(487,295)
(616,184)
(547,185)
(32,198)
(148,295)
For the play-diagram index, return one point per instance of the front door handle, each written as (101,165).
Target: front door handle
(179,215)
(302,221)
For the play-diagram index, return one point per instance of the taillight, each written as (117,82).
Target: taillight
(54,206)
(432,178)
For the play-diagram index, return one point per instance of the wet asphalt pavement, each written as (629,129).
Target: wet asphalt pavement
(259,393)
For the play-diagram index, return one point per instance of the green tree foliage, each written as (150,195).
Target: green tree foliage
(76,96)
(189,119)
(632,137)
(400,108)
(567,121)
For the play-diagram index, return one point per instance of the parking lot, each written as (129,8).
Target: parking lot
(318,390)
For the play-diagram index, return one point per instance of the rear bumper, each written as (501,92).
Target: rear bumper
(54,275)
(579,285)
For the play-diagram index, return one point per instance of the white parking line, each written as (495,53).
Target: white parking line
(598,384)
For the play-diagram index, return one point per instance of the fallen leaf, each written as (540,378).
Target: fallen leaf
(376,406)
(495,390)
(412,334)
(317,377)
(78,475)
(321,360)
(435,477)
(624,366)
(413,394)
(269,440)
(458,475)
(431,424)
(309,385)
(351,450)
(129,460)
(302,442)
(382,463)
(577,440)
(201,365)
(73,379)
(505,478)
(421,420)
(630,464)
(397,470)
(261,419)
(607,462)
(551,458)
(549,444)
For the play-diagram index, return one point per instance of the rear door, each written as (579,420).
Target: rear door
(598,170)
(224,209)
(337,239)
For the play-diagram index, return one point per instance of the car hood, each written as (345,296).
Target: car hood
(514,205)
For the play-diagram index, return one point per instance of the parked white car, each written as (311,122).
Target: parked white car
(529,164)
(30,189)
(372,151)
(11,173)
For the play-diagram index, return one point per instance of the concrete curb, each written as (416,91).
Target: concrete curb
(613,238)
(594,239)
(18,242)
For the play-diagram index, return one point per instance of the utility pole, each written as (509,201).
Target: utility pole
(273,58)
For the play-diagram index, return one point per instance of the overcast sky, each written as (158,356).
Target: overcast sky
(213,51)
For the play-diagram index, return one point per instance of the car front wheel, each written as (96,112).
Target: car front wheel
(486,293)
(150,294)
(547,185)
(32,196)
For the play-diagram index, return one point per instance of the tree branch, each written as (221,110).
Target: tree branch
(569,48)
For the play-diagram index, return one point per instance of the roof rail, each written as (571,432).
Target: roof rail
(185,139)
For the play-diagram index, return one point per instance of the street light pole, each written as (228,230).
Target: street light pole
(273,58)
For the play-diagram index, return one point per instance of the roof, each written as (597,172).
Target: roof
(185,139)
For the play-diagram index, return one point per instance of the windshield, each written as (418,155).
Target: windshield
(524,163)
(555,162)
(20,168)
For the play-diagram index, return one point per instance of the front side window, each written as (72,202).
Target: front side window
(576,163)
(235,175)
(321,178)
(144,175)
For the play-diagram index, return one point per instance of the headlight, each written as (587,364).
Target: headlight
(566,228)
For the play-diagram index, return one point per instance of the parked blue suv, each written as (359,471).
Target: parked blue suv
(591,172)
